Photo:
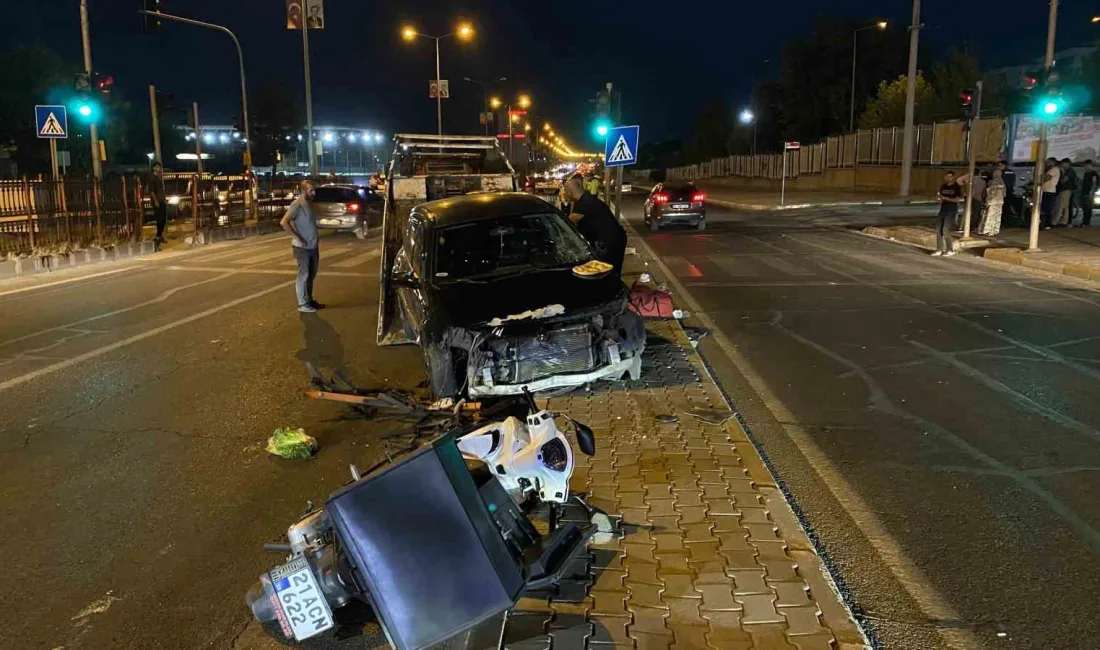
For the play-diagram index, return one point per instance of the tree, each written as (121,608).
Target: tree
(713,129)
(275,116)
(815,80)
(33,74)
(887,109)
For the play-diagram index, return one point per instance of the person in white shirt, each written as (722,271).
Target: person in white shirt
(1050,192)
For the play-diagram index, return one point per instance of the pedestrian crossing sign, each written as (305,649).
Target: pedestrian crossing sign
(51,121)
(621,147)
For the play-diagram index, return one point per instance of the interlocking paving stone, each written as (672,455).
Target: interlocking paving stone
(698,561)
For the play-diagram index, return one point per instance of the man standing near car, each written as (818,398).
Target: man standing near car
(301,223)
(154,185)
(597,223)
(1090,180)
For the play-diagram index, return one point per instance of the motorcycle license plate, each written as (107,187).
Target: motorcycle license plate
(680,206)
(302,609)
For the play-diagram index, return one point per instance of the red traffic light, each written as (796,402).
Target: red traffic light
(966,98)
(104,84)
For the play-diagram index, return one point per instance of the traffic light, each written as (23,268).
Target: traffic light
(103,83)
(966,97)
(601,127)
(86,109)
(1052,101)
(152,23)
(165,102)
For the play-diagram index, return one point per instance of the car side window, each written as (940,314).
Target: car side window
(414,244)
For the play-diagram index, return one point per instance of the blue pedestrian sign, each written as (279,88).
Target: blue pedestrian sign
(51,121)
(621,147)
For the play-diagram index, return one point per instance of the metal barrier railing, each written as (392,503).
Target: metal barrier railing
(935,144)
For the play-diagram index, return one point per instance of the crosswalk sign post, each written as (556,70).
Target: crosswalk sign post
(621,146)
(51,123)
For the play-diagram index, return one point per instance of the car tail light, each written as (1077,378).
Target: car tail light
(352,206)
(698,197)
(660,197)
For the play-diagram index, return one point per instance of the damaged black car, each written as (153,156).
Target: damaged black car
(494,289)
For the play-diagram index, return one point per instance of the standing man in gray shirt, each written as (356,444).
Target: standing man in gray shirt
(301,223)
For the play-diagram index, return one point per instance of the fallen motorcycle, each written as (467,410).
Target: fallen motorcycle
(438,541)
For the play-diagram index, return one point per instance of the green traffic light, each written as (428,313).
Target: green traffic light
(601,130)
(85,110)
(1051,106)
(601,127)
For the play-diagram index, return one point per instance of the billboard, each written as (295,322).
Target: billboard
(1073,137)
(313,9)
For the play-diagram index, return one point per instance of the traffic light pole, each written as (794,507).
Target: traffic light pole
(1041,150)
(156,124)
(240,61)
(198,137)
(910,104)
(309,99)
(86,42)
(971,159)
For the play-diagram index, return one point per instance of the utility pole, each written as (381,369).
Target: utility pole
(309,99)
(86,41)
(1041,149)
(910,103)
(971,158)
(156,124)
(439,95)
(606,170)
(198,137)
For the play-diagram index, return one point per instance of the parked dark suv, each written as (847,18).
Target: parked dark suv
(675,202)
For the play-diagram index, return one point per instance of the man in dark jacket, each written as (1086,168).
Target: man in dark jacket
(597,223)
(1090,180)
(154,186)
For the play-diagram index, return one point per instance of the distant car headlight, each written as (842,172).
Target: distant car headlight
(174,200)
(1096,198)
(223,197)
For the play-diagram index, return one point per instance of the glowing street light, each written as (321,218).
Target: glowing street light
(524,101)
(464,32)
(546,127)
(328,136)
(377,137)
(494,102)
(746,116)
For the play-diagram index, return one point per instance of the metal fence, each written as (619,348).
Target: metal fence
(39,216)
(935,144)
(47,214)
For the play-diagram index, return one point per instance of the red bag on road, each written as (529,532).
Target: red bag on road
(650,302)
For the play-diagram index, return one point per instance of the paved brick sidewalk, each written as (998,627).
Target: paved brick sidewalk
(708,554)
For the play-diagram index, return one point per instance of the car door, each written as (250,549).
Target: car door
(408,277)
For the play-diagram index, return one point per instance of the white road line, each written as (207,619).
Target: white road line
(83,277)
(911,578)
(230,269)
(92,354)
(357,260)
(737,267)
(783,266)
(161,298)
(262,257)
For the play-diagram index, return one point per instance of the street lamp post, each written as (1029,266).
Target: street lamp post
(240,61)
(748,117)
(485,86)
(464,32)
(880,25)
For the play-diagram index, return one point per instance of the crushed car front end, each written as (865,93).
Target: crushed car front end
(558,352)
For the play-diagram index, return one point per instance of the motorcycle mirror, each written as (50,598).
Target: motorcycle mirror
(586,439)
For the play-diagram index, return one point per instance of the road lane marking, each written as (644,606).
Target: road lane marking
(733,265)
(904,571)
(357,260)
(70,280)
(222,269)
(161,298)
(783,266)
(262,257)
(92,354)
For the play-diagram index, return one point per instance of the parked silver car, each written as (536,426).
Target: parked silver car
(347,208)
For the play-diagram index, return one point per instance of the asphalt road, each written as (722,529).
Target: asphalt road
(135,402)
(935,420)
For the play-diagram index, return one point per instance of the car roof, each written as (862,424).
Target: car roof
(481,206)
(342,186)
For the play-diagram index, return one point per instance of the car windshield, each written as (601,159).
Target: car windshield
(481,249)
(336,194)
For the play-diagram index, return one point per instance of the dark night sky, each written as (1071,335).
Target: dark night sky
(666,57)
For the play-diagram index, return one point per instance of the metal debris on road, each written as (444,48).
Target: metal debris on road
(666,419)
(291,444)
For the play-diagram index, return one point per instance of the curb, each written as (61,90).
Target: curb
(1017,257)
(801,206)
(22,266)
(921,237)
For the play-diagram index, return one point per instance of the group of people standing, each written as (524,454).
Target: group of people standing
(990,188)
(1064,190)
